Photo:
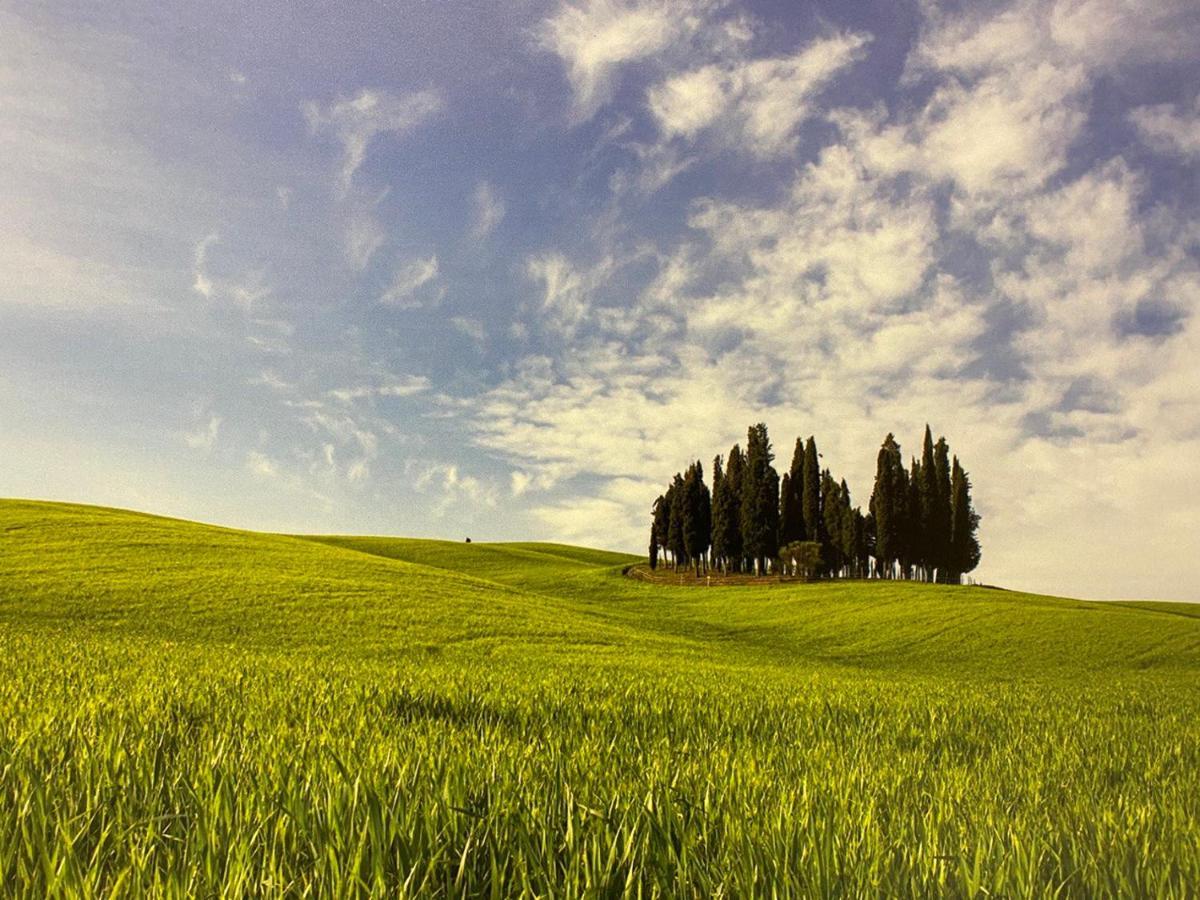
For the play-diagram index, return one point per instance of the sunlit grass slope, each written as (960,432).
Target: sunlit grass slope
(877,625)
(196,711)
(116,572)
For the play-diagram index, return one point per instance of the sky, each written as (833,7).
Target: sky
(499,270)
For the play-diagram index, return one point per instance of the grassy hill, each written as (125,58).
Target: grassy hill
(194,710)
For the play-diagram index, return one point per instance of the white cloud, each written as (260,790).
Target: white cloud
(595,37)
(757,104)
(1170,129)
(520,482)
(451,486)
(201,283)
(358,120)
(363,235)
(204,437)
(566,291)
(261,464)
(405,290)
(408,386)
(471,327)
(487,210)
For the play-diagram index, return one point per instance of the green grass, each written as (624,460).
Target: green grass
(195,711)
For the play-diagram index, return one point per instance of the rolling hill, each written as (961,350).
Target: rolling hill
(187,709)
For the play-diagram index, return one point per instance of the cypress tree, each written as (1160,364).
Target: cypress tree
(910,537)
(941,517)
(653,550)
(791,512)
(810,492)
(661,527)
(848,539)
(964,545)
(676,543)
(760,500)
(734,551)
(786,510)
(912,531)
(719,506)
(927,504)
(831,524)
(695,528)
(864,540)
(888,500)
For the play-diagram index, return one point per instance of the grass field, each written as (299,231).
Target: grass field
(195,711)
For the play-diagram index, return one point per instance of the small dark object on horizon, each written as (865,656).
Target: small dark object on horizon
(468,540)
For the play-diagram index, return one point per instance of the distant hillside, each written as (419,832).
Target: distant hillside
(114,571)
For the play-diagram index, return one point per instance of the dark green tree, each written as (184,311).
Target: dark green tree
(941,517)
(802,558)
(912,531)
(831,524)
(697,516)
(888,501)
(760,500)
(810,492)
(848,538)
(964,522)
(653,550)
(660,531)
(678,497)
(732,527)
(719,507)
(926,509)
(791,511)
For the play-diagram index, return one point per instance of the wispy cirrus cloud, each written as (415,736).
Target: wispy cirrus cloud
(412,284)
(754,105)
(358,120)
(487,210)
(595,38)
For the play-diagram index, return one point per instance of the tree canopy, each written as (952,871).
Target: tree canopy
(920,521)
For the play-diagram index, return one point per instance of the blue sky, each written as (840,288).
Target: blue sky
(499,270)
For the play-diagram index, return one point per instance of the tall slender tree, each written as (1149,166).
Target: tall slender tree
(719,507)
(941,518)
(831,524)
(888,502)
(662,521)
(791,503)
(810,491)
(964,521)
(926,509)
(732,528)
(760,500)
(678,495)
(697,514)
(848,538)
